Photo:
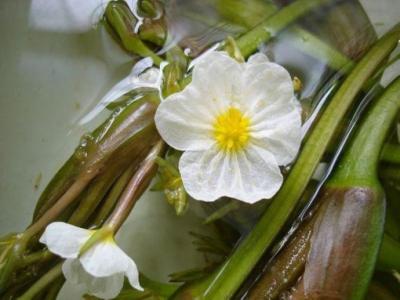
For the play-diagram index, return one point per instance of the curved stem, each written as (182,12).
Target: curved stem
(43,282)
(226,280)
(360,162)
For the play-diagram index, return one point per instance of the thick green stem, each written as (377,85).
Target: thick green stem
(353,212)
(226,280)
(363,156)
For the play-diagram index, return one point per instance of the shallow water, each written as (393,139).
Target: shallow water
(56,67)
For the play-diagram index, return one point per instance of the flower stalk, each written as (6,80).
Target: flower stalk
(136,186)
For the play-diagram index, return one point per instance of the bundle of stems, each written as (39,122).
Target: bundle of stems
(112,167)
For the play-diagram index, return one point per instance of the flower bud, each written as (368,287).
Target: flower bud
(150,9)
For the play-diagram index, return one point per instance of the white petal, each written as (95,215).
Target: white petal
(107,259)
(264,84)
(258,58)
(249,175)
(64,239)
(185,120)
(132,274)
(277,128)
(219,76)
(103,287)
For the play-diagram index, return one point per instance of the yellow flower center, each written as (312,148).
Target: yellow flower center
(231,130)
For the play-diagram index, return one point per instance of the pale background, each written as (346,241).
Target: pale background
(53,69)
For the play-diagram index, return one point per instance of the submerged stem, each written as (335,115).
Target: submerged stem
(44,281)
(227,279)
(113,196)
(136,186)
(249,42)
(362,158)
(50,215)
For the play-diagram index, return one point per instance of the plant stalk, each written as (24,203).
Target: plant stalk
(225,281)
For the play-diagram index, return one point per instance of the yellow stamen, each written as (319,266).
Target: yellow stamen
(231,130)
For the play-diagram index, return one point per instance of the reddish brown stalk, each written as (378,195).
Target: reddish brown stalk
(70,195)
(135,188)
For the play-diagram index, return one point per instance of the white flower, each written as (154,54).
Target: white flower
(101,269)
(236,123)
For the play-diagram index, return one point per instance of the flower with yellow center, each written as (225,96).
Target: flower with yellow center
(100,266)
(236,123)
(231,130)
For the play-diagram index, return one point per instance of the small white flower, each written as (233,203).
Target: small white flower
(101,269)
(236,123)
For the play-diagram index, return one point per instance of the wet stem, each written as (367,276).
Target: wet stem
(135,187)
(231,274)
(42,283)
(77,187)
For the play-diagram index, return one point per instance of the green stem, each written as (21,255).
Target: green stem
(55,288)
(113,196)
(226,280)
(317,48)
(43,282)
(65,200)
(363,156)
(300,38)
(353,211)
(93,195)
(249,42)
(39,256)
(161,289)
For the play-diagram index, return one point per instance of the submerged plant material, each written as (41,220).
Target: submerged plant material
(270,99)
